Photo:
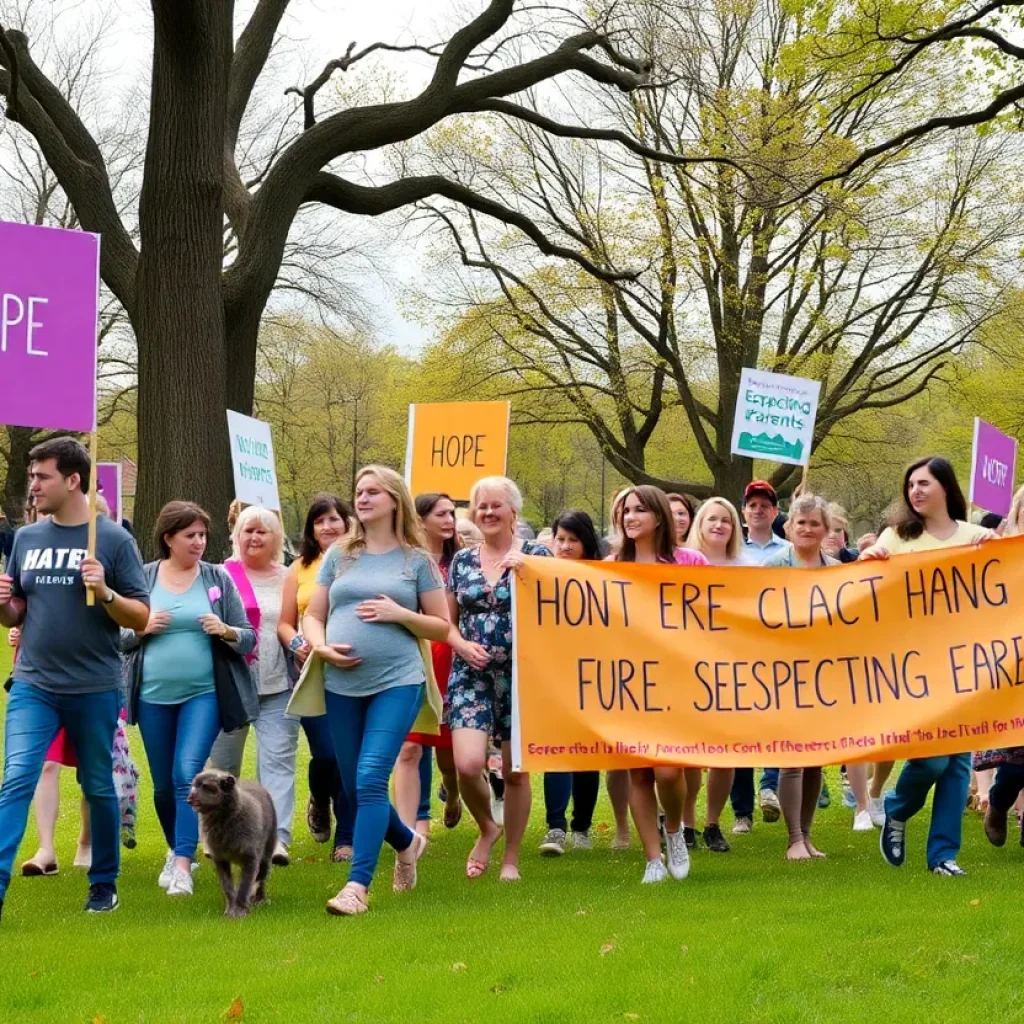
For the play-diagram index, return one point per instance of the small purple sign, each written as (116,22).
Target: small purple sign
(108,483)
(993,463)
(49,307)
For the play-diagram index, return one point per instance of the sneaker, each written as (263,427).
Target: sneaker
(318,820)
(743,826)
(876,808)
(498,812)
(554,843)
(280,856)
(167,872)
(181,883)
(995,826)
(849,800)
(690,837)
(770,809)
(824,797)
(102,898)
(862,822)
(654,872)
(581,841)
(714,840)
(948,869)
(678,854)
(892,841)
(128,840)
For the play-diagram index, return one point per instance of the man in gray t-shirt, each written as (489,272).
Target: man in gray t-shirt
(67,671)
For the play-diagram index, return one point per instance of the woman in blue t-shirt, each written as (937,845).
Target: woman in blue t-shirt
(378,593)
(193,605)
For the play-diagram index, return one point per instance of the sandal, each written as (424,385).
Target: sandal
(405,873)
(342,855)
(476,867)
(37,869)
(348,903)
(452,820)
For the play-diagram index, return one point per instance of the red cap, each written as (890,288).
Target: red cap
(762,488)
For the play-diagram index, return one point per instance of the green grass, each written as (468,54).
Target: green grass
(747,938)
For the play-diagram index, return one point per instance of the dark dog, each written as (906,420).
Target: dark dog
(239,827)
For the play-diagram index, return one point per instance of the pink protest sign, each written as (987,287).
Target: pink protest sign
(49,306)
(992,467)
(108,483)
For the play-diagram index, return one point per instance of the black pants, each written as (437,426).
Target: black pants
(583,787)
(742,795)
(1009,781)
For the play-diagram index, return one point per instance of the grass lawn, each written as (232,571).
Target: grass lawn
(747,938)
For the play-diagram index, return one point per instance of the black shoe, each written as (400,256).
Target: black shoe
(714,840)
(318,820)
(102,898)
(948,869)
(690,837)
(1,908)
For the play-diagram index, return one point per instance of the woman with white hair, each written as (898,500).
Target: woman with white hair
(257,569)
(478,703)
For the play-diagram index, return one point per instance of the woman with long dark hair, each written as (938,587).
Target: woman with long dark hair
(413,773)
(326,522)
(933,515)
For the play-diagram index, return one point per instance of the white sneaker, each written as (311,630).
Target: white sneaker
(654,872)
(498,812)
(876,808)
(181,883)
(167,873)
(678,855)
(280,856)
(862,822)
(581,841)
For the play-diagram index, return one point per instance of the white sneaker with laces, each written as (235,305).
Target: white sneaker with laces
(655,872)
(181,883)
(167,872)
(862,822)
(581,841)
(678,854)
(281,856)
(876,808)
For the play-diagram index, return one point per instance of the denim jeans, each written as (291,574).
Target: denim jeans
(368,733)
(951,777)
(426,781)
(33,717)
(583,787)
(277,736)
(178,740)
(742,795)
(325,778)
(1009,781)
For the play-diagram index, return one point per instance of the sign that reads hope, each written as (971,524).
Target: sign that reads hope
(775,417)
(49,306)
(993,462)
(451,445)
(252,459)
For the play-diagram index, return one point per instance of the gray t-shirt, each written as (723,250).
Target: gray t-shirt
(66,646)
(390,653)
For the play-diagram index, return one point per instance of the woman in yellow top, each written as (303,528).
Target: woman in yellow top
(326,521)
(933,515)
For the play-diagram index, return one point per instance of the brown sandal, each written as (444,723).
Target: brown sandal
(405,874)
(37,869)
(348,903)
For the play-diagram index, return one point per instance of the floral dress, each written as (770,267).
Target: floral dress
(483,700)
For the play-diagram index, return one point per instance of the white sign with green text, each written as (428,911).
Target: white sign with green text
(252,459)
(775,417)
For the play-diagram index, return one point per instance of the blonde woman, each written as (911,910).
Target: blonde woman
(256,567)
(479,699)
(378,593)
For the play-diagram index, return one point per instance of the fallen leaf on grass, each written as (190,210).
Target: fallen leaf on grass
(33,974)
(379,979)
(235,1011)
(608,947)
(581,912)
(99,1019)
(498,989)
(684,949)
(975,903)
(459,967)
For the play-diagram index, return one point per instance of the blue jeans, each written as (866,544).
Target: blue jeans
(178,739)
(33,717)
(426,781)
(951,777)
(368,733)
(742,795)
(325,779)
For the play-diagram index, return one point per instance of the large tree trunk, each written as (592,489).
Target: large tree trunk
(179,314)
(19,443)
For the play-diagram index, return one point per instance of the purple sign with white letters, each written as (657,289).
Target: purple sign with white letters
(992,467)
(49,307)
(108,483)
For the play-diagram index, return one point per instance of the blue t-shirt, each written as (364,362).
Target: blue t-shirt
(66,646)
(177,664)
(390,653)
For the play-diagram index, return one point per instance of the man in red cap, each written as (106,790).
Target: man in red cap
(760,509)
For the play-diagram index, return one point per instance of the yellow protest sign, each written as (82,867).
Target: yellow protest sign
(451,445)
(620,665)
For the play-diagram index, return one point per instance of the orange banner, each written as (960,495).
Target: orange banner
(620,665)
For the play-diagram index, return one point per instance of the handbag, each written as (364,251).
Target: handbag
(238,701)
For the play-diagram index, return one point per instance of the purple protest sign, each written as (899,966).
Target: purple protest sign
(993,462)
(108,483)
(49,306)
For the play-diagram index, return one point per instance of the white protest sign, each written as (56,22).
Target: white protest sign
(252,459)
(775,417)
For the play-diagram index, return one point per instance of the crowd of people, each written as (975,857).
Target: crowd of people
(406,608)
